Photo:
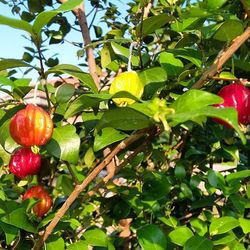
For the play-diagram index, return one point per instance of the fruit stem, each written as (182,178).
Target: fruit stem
(130,57)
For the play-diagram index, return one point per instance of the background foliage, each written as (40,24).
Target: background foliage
(174,189)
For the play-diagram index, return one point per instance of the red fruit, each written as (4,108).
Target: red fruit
(31,126)
(24,162)
(237,96)
(40,193)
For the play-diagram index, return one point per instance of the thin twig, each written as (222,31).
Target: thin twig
(76,180)
(221,59)
(79,188)
(79,12)
(245,5)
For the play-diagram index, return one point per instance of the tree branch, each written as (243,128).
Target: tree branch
(221,59)
(81,16)
(245,5)
(79,188)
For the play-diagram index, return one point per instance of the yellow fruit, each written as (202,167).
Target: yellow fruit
(126,81)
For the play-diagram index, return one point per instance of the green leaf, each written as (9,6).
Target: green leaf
(80,245)
(229,30)
(245,225)
(124,118)
(55,242)
(153,75)
(172,65)
(223,238)
(89,157)
(194,100)
(214,5)
(96,237)
(180,235)
(223,225)
(84,78)
(156,186)
(179,171)
(106,137)
(151,24)
(19,219)
(199,226)
(69,5)
(187,24)
(151,237)
(169,221)
(16,24)
(240,175)
(189,54)
(42,19)
(11,232)
(85,101)
(197,243)
(12,63)
(124,53)
(64,92)
(65,144)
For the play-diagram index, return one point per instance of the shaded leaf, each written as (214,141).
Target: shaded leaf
(106,137)
(151,237)
(180,235)
(65,144)
(124,118)
(198,242)
(223,225)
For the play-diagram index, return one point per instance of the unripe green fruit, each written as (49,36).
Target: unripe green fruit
(126,81)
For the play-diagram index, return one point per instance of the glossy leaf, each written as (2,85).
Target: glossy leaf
(151,237)
(151,24)
(198,242)
(55,242)
(180,235)
(199,226)
(173,66)
(156,186)
(124,53)
(124,119)
(69,5)
(214,5)
(19,219)
(16,24)
(12,63)
(245,225)
(153,75)
(238,175)
(64,144)
(106,137)
(223,225)
(72,70)
(64,92)
(79,245)
(229,30)
(11,232)
(96,237)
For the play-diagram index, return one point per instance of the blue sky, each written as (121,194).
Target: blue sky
(12,40)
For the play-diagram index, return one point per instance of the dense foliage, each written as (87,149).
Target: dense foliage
(157,171)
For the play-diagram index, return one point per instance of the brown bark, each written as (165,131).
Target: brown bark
(81,16)
(79,188)
(222,58)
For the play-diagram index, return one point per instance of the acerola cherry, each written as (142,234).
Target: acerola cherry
(40,193)
(31,126)
(127,81)
(236,95)
(24,162)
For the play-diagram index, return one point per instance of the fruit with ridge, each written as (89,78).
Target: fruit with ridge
(31,126)
(127,81)
(237,96)
(38,192)
(24,162)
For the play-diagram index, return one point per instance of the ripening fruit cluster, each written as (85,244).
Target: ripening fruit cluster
(31,127)
(237,96)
